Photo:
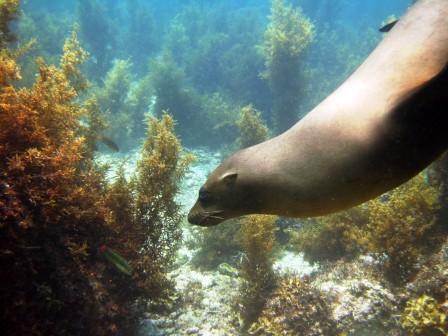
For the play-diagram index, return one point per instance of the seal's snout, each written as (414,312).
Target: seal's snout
(194,216)
(198,215)
(191,217)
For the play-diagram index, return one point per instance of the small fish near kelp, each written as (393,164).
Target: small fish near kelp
(108,142)
(119,263)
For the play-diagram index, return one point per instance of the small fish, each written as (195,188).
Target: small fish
(386,28)
(109,143)
(116,260)
(3,187)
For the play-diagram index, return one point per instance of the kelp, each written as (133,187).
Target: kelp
(258,278)
(400,225)
(70,262)
(52,213)
(9,11)
(112,100)
(287,36)
(251,126)
(97,30)
(157,182)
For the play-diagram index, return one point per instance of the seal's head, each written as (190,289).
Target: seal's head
(223,196)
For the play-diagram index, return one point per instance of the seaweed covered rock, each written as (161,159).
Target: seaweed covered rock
(362,303)
(295,308)
(432,276)
(425,316)
(425,300)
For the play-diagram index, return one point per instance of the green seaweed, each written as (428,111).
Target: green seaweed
(424,316)
(287,36)
(9,11)
(217,244)
(157,182)
(120,110)
(142,34)
(400,225)
(329,238)
(257,275)
(176,96)
(251,126)
(295,308)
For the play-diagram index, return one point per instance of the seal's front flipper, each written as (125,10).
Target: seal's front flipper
(388,27)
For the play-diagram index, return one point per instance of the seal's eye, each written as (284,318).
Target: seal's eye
(204,196)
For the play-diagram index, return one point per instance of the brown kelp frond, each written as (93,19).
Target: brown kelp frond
(8,69)
(159,173)
(258,243)
(94,125)
(53,216)
(73,56)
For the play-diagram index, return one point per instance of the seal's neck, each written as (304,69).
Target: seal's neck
(264,185)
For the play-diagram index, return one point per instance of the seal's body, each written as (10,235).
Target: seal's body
(381,127)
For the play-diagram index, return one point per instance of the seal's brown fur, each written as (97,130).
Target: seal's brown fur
(381,127)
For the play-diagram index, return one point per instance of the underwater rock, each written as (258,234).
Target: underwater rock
(291,263)
(362,304)
(183,256)
(192,331)
(432,276)
(207,304)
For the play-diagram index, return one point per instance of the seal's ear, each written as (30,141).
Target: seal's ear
(229,178)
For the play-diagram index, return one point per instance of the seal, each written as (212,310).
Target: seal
(381,127)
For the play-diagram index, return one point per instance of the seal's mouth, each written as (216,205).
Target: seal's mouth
(205,218)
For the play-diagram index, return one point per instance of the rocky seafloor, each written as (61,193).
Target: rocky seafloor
(362,303)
